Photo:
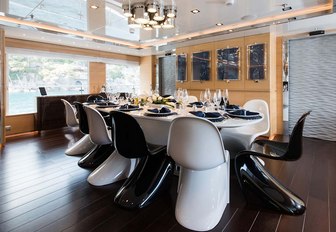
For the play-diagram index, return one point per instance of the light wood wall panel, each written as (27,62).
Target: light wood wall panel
(147,74)
(21,123)
(97,76)
(244,89)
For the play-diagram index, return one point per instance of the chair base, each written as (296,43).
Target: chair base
(81,147)
(149,177)
(253,178)
(96,156)
(113,169)
(202,197)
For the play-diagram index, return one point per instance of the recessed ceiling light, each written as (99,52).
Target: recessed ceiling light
(219,24)
(230,30)
(94,7)
(195,11)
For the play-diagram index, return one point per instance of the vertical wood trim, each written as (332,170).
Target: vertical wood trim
(2,88)
(97,76)
(279,90)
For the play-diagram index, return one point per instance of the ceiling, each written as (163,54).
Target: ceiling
(74,23)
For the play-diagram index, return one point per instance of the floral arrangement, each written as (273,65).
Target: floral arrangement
(157,99)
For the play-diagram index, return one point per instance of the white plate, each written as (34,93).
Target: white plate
(243,116)
(158,114)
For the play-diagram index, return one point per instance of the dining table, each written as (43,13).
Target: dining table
(156,126)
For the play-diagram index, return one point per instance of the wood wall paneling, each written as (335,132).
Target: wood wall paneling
(244,89)
(147,74)
(2,87)
(21,123)
(97,76)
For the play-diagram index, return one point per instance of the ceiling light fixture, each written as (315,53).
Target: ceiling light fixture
(195,11)
(94,7)
(150,14)
(219,24)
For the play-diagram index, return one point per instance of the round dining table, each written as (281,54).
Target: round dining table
(156,127)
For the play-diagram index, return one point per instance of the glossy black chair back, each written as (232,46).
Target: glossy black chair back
(153,169)
(129,138)
(82,118)
(261,188)
(94,98)
(294,149)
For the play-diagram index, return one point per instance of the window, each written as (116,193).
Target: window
(26,73)
(123,78)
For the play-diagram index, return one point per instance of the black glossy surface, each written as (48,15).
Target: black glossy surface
(253,177)
(151,173)
(282,150)
(96,156)
(82,118)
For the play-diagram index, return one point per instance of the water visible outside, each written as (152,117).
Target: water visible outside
(25,102)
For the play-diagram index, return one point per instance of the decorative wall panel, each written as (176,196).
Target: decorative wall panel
(312,84)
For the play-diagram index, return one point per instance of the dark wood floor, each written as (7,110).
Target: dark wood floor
(41,189)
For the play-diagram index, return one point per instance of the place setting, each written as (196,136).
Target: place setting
(129,107)
(159,112)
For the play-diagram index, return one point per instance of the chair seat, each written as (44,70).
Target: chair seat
(155,149)
(273,148)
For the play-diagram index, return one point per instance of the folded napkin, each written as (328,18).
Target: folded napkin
(245,114)
(197,104)
(127,107)
(162,110)
(212,116)
(232,107)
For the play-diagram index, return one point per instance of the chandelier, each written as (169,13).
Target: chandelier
(150,14)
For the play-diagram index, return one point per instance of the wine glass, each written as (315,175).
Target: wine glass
(207,96)
(216,100)
(185,98)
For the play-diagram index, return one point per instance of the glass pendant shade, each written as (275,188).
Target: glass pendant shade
(169,23)
(152,6)
(140,14)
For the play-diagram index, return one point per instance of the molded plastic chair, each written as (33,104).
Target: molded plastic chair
(239,139)
(115,167)
(153,169)
(254,178)
(83,145)
(204,182)
(288,151)
(70,114)
(98,153)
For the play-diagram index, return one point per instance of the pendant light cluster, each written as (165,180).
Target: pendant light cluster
(150,14)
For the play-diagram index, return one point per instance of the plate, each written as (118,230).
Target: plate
(148,113)
(130,109)
(217,119)
(244,116)
(106,106)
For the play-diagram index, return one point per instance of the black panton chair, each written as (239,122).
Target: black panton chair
(258,185)
(153,169)
(98,153)
(288,151)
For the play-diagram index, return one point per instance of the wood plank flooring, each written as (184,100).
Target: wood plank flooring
(42,189)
